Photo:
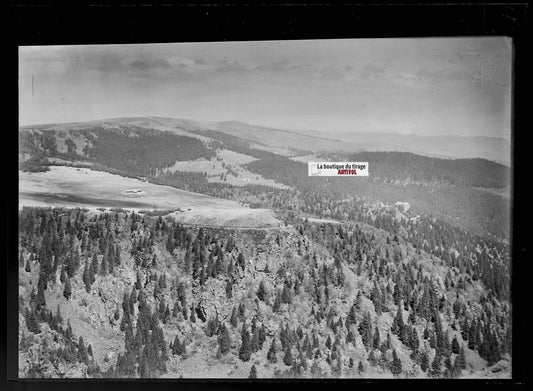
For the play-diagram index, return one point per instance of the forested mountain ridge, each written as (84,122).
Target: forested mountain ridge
(448,191)
(454,190)
(422,169)
(130,149)
(196,302)
(164,146)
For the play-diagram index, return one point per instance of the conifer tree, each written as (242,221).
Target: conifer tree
(211,328)
(67,291)
(45,257)
(234,317)
(231,268)
(192,318)
(398,324)
(104,265)
(436,366)
(261,292)
(31,322)
(82,351)
(73,263)
(351,319)
(224,340)
(117,256)
(277,304)
(376,299)
(396,367)
(144,369)
(229,289)
(455,345)
(59,318)
(365,329)
(302,361)
(254,344)
(338,366)
(111,260)
(462,358)
(94,267)
(175,346)
(376,341)
(424,361)
(271,355)
(253,373)
(240,261)
(242,311)
(245,351)
(448,365)
(372,358)
(40,300)
(262,336)
(287,355)
(84,243)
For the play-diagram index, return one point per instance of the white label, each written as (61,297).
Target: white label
(346,169)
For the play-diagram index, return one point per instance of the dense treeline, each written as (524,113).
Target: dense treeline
(398,166)
(478,257)
(36,163)
(435,320)
(66,243)
(142,151)
(35,143)
(414,292)
(235,144)
(464,206)
(132,150)
(50,239)
(457,172)
(185,180)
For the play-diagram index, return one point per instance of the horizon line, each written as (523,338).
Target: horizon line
(282,129)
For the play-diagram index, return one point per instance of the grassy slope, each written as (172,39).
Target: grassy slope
(68,186)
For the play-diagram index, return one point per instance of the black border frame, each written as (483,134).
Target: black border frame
(98,22)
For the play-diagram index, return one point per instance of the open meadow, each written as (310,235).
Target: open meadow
(81,187)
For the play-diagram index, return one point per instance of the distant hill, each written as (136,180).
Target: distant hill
(445,146)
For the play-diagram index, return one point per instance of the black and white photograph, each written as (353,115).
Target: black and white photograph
(277,209)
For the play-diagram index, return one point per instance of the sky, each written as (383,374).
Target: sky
(422,86)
